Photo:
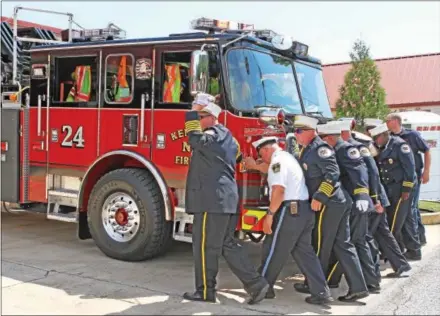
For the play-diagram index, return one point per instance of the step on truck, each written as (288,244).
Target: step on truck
(97,136)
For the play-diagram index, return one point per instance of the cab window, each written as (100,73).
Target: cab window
(119,79)
(75,81)
(175,91)
(175,78)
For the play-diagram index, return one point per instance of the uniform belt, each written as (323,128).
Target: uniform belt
(287,202)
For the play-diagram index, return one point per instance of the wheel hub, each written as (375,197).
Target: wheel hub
(120,217)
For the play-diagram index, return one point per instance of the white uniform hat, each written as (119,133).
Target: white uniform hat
(372,122)
(212,109)
(345,125)
(379,129)
(264,141)
(305,121)
(330,128)
(203,99)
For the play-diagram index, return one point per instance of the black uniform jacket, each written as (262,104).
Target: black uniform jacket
(354,172)
(321,171)
(373,171)
(211,185)
(418,145)
(396,163)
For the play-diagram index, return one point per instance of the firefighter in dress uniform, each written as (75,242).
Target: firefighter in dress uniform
(397,169)
(379,237)
(354,179)
(212,196)
(289,221)
(418,145)
(332,206)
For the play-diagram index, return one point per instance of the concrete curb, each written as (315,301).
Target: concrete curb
(431,218)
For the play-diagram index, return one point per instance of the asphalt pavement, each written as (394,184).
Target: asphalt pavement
(47,270)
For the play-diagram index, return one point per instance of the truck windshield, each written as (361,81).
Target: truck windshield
(261,79)
(313,90)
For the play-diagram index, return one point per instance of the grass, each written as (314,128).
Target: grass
(431,206)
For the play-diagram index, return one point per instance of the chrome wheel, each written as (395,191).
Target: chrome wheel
(120,217)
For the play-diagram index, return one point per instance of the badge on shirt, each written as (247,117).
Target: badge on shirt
(405,149)
(305,166)
(390,161)
(324,152)
(354,153)
(276,167)
(365,152)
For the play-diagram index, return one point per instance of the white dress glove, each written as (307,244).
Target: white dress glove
(362,205)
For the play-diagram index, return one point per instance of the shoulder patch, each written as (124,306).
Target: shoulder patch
(365,152)
(209,132)
(353,153)
(405,149)
(276,167)
(324,152)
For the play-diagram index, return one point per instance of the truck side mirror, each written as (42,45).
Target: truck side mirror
(199,72)
(271,116)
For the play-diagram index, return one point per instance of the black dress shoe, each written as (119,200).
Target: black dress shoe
(374,289)
(319,300)
(400,270)
(351,297)
(198,297)
(302,288)
(270,293)
(259,295)
(333,286)
(413,255)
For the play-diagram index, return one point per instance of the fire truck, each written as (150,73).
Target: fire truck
(97,136)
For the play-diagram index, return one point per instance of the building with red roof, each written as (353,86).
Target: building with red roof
(24,24)
(410,82)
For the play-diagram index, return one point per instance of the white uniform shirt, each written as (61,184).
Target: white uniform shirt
(284,170)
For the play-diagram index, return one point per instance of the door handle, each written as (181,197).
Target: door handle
(142,117)
(39,116)
(38,145)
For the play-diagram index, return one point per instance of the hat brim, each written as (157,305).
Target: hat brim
(269,142)
(303,126)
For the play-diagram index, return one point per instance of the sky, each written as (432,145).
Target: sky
(390,29)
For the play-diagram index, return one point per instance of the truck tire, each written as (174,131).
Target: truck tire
(126,216)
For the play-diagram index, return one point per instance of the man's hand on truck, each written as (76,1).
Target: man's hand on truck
(258,165)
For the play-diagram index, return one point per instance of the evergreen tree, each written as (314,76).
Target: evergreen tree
(361,96)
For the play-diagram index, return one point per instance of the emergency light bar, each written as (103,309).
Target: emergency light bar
(300,48)
(112,31)
(219,25)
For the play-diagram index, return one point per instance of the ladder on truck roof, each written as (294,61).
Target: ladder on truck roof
(15,55)
(16,38)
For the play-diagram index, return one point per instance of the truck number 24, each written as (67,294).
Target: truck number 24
(78,139)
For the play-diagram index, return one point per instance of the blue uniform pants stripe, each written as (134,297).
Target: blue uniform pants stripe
(274,241)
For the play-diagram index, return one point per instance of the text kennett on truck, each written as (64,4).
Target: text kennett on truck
(97,131)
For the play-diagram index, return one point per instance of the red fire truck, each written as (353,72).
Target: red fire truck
(98,136)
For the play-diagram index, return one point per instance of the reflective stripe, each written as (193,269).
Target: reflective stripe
(205,287)
(258,214)
(326,188)
(361,190)
(332,271)
(274,240)
(395,215)
(408,184)
(173,84)
(193,125)
(320,231)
